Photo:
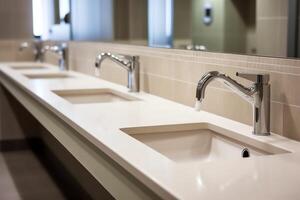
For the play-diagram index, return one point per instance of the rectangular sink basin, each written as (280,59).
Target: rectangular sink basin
(200,143)
(28,67)
(87,96)
(47,76)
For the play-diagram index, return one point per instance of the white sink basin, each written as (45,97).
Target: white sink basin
(47,76)
(86,96)
(199,142)
(28,67)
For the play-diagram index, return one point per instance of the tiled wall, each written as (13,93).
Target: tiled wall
(9,51)
(173,74)
(272,23)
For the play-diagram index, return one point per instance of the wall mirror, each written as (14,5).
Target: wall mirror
(252,27)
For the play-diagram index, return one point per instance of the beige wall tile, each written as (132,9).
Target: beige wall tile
(9,51)
(158,86)
(272,8)
(173,74)
(285,88)
(291,119)
(277,117)
(112,72)
(227,104)
(272,37)
(271,27)
(185,93)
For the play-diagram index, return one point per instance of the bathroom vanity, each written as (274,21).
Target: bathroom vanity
(140,146)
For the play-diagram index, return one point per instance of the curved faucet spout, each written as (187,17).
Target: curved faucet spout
(119,59)
(61,50)
(258,95)
(130,63)
(238,88)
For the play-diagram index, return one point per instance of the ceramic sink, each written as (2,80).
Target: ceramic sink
(200,143)
(86,96)
(47,76)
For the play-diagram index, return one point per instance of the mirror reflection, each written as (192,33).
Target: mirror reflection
(262,27)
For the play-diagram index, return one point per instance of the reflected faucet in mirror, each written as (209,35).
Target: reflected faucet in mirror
(61,51)
(196,47)
(198,25)
(130,63)
(36,46)
(258,94)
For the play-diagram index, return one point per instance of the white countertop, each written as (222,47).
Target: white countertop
(265,177)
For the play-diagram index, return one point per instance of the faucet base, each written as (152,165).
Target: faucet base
(261,134)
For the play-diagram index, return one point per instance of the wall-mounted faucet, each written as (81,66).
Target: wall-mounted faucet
(258,94)
(36,46)
(130,63)
(61,50)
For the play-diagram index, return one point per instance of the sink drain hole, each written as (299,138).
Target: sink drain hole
(245,153)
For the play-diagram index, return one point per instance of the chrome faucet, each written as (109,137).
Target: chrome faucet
(258,94)
(36,46)
(61,50)
(130,63)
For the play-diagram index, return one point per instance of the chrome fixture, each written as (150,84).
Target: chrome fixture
(61,50)
(258,94)
(130,63)
(196,47)
(36,46)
